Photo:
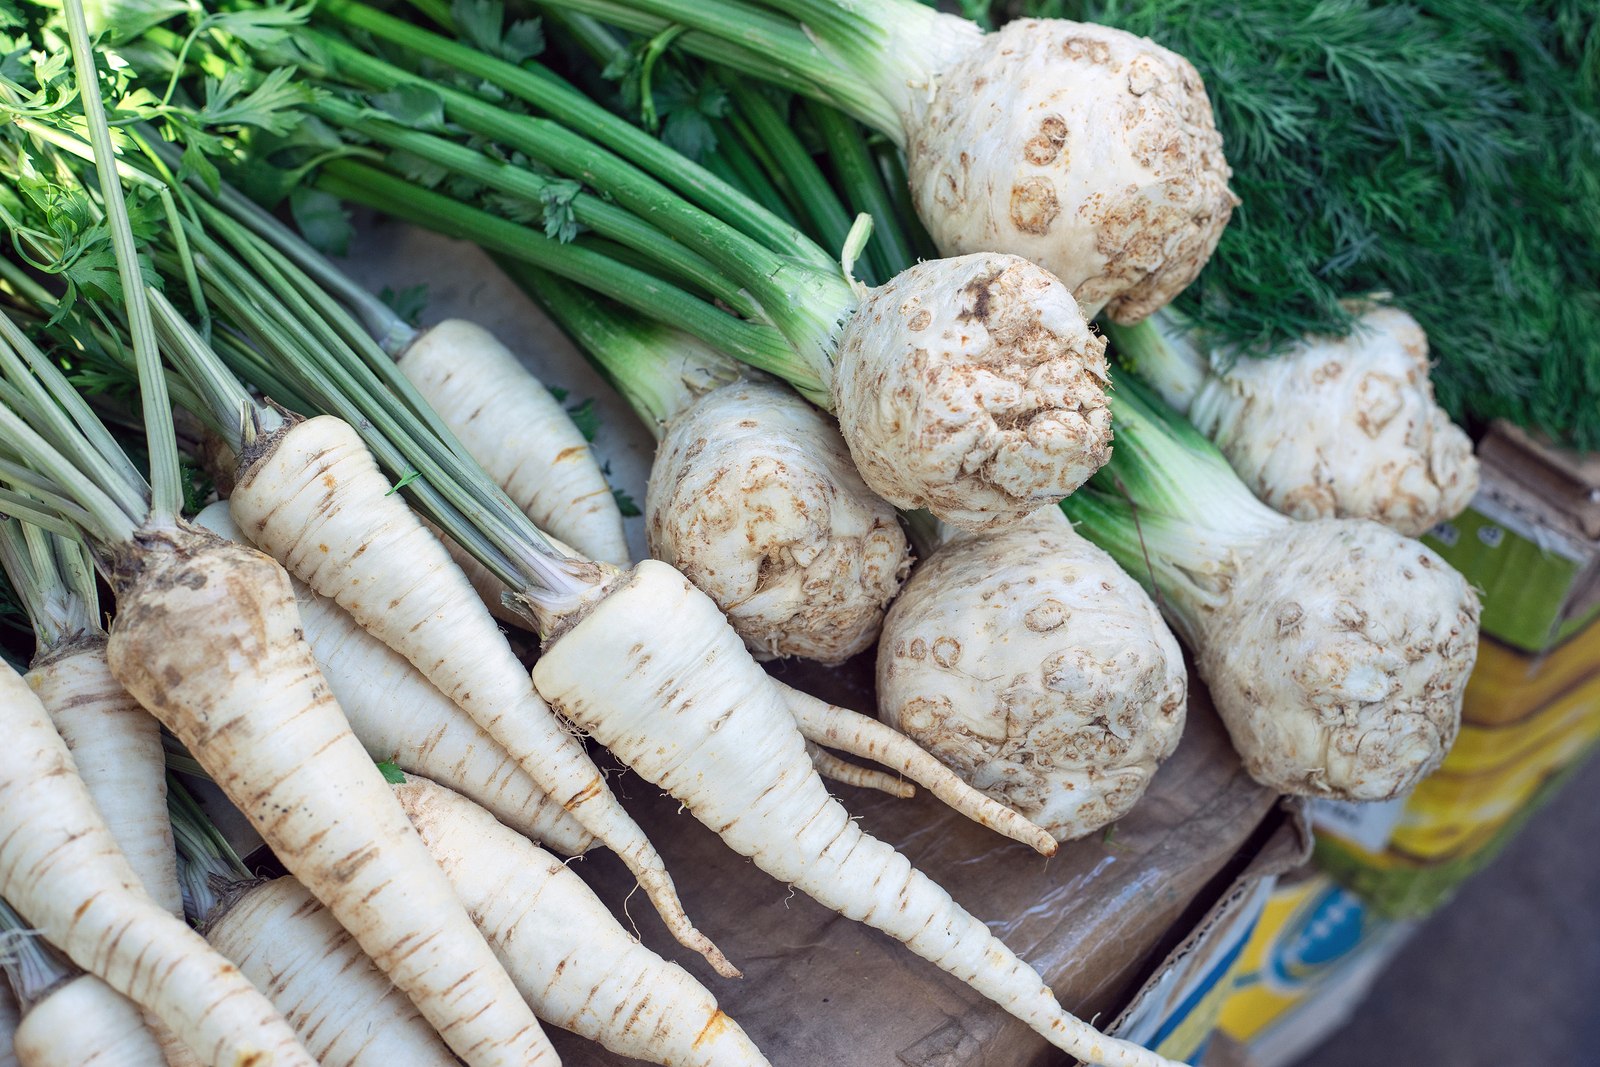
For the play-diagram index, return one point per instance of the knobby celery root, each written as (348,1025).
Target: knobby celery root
(570,958)
(62,871)
(702,720)
(314,498)
(401,718)
(208,637)
(1332,428)
(1032,665)
(754,498)
(519,433)
(345,1010)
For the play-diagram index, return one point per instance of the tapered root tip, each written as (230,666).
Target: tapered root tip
(714,956)
(1043,843)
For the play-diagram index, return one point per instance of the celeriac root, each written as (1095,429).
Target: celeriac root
(342,1006)
(570,958)
(701,720)
(209,639)
(317,502)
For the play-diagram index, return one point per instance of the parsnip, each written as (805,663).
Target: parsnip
(62,871)
(342,1006)
(520,434)
(315,499)
(570,958)
(86,1023)
(701,720)
(400,717)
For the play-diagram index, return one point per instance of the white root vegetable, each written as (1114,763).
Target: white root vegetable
(830,766)
(973,387)
(62,871)
(1339,663)
(116,747)
(316,500)
(520,434)
(822,723)
(86,1023)
(705,723)
(1336,651)
(342,1006)
(400,717)
(1086,149)
(1333,428)
(571,959)
(753,497)
(209,639)
(1032,665)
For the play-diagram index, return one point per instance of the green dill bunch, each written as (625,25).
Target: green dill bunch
(1443,151)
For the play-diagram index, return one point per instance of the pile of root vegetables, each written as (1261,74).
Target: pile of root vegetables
(264,529)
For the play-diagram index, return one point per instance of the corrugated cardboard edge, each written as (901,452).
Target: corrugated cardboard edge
(1203,959)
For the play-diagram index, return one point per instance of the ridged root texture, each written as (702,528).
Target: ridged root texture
(701,720)
(974,388)
(62,871)
(520,434)
(318,503)
(1082,148)
(400,717)
(1344,428)
(116,745)
(570,958)
(1339,664)
(753,497)
(1030,664)
(85,1023)
(343,1008)
(209,639)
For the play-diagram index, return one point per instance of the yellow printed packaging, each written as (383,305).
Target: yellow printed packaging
(1531,711)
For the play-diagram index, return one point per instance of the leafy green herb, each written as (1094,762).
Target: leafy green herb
(322,220)
(409,303)
(415,107)
(405,479)
(586,418)
(481,22)
(626,504)
(392,773)
(560,222)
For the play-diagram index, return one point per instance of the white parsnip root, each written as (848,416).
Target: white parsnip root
(832,767)
(754,498)
(345,1010)
(570,958)
(116,746)
(86,1023)
(520,434)
(209,639)
(704,722)
(401,718)
(1032,665)
(822,723)
(62,871)
(316,500)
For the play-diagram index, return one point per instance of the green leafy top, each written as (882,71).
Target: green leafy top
(1446,152)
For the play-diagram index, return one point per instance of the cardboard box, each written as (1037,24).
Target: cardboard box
(1311,959)
(1532,706)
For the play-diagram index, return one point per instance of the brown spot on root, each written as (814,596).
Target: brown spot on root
(982,299)
(1043,149)
(920,321)
(1034,206)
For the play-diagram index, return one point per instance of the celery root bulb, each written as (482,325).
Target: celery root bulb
(754,499)
(1029,663)
(1088,150)
(1343,428)
(974,388)
(1339,662)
